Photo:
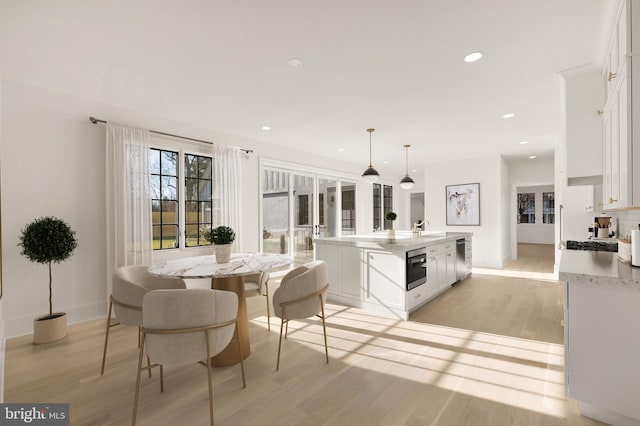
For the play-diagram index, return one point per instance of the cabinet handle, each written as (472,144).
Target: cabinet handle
(417,296)
(612,200)
(612,75)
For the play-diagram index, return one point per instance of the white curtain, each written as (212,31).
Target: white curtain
(227,188)
(129,230)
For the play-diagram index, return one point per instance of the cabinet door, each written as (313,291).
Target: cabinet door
(386,279)
(441,260)
(451,267)
(330,255)
(351,266)
(602,350)
(624,143)
(606,158)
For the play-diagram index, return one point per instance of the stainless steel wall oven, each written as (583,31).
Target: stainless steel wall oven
(416,268)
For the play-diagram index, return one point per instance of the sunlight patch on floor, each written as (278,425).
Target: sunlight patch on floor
(523,373)
(543,276)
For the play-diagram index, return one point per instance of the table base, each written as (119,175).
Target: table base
(231,356)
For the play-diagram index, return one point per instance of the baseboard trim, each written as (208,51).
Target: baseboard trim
(22,326)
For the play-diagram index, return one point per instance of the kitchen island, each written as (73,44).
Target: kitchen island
(382,275)
(602,335)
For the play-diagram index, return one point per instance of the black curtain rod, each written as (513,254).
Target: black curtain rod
(96,121)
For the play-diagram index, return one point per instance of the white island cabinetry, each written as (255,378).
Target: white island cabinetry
(602,335)
(370,273)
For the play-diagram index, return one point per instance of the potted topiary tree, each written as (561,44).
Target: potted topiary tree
(222,237)
(48,240)
(391,216)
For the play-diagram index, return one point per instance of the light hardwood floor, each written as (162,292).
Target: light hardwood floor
(487,352)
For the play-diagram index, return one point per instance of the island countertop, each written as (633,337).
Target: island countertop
(404,240)
(598,268)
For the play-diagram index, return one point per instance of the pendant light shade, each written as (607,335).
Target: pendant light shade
(406,182)
(370,175)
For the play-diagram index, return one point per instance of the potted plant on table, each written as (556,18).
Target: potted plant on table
(222,237)
(48,240)
(391,216)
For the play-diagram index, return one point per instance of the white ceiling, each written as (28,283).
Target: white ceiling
(393,65)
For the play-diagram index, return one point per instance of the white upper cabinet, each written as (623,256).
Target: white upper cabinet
(583,100)
(618,128)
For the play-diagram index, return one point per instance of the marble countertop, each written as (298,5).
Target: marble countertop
(206,266)
(598,268)
(404,240)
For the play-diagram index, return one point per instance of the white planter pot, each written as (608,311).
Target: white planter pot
(392,234)
(223,252)
(47,330)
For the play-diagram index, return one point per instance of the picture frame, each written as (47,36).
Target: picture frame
(463,204)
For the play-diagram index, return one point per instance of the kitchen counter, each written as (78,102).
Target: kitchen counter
(598,268)
(403,241)
(382,275)
(602,335)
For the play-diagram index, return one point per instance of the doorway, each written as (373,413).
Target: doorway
(298,206)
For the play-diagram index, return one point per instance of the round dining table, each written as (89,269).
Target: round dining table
(229,277)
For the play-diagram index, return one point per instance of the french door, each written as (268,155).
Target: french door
(300,206)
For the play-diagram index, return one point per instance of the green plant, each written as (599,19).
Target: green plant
(48,240)
(283,244)
(222,235)
(266,234)
(391,216)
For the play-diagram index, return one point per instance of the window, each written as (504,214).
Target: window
(165,198)
(387,197)
(303,209)
(198,184)
(548,207)
(377,207)
(348,210)
(382,204)
(321,209)
(527,208)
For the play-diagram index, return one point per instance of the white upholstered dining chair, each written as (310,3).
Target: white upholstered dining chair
(258,285)
(129,285)
(302,294)
(185,326)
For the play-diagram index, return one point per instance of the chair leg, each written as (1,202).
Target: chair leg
(280,343)
(324,329)
(137,393)
(106,338)
(286,329)
(139,330)
(161,378)
(149,366)
(209,378)
(244,383)
(266,287)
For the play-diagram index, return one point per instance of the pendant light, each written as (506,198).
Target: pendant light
(407,182)
(370,175)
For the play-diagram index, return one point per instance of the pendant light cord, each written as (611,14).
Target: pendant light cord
(370,131)
(406,148)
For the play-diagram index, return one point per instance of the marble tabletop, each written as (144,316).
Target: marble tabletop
(598,268)
(206,266)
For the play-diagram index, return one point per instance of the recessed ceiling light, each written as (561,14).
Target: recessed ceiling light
(473,56)
(509,115)
(385,162)
(524,142)
(532,156)
(265,128)
(415,171)
(295,62)
(340,149)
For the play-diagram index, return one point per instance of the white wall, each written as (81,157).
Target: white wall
(505,200)
(2,331)
(488,237)
(538,232)
(52,163)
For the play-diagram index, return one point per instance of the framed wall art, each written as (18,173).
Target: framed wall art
(463,204)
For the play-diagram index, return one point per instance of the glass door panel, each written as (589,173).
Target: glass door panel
(275,211)
(303,218)
(327,224)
